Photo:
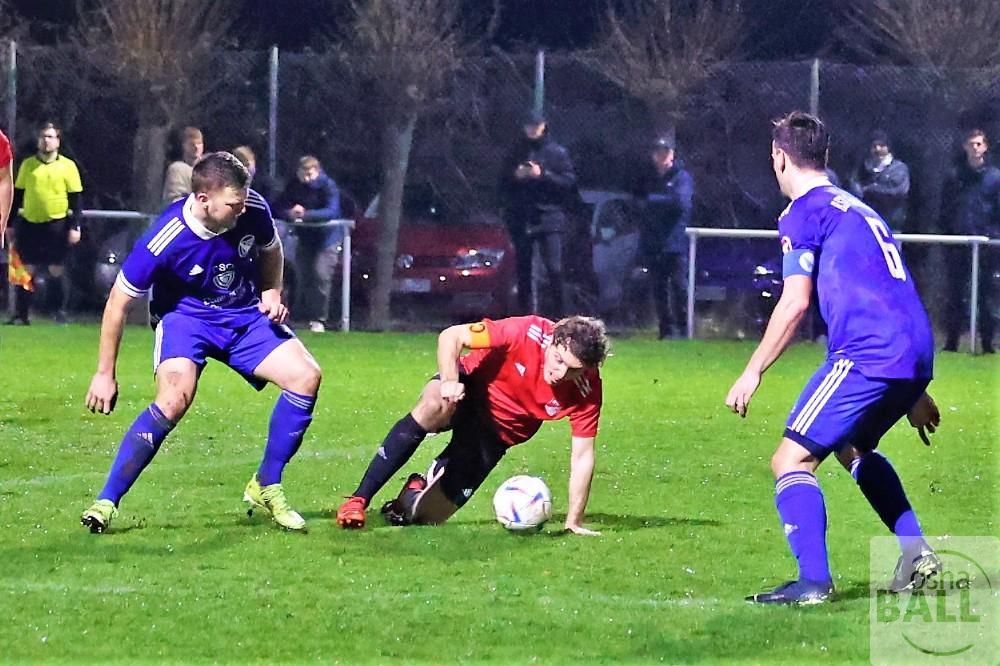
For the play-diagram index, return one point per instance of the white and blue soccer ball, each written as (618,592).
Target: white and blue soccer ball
(523,503)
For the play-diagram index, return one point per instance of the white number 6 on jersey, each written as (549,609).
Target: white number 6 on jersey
(889,251)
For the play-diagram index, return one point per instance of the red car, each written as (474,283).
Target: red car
(457,265)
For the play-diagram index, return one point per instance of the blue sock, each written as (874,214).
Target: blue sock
(803,514)
(138,447)
(882,488)
(291,416)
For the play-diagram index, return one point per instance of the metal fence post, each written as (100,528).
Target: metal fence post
(12,91)
(692,256)
(345,280)
(272,116)
(974,296)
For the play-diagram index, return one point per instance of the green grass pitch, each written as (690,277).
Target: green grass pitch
(682,494)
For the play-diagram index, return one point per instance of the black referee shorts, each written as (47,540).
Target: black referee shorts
(42,243)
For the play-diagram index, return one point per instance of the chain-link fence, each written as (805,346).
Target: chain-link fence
(723,132)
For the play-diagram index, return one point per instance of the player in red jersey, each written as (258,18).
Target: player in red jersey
(6,184)
(521,371)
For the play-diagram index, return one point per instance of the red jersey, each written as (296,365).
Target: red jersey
(506,382)
(6,154)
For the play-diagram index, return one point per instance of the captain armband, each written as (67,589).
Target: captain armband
(798,262)
(479,336)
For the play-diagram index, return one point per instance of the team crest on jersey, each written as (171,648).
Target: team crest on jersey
(552,407)
(786,245)
(246,244)
(225,276)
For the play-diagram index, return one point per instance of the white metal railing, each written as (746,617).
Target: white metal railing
(345,266)
(694,233)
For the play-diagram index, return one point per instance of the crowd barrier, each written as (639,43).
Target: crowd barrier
(694,233)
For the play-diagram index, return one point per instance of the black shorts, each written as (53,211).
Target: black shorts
(42,243)
(473,452)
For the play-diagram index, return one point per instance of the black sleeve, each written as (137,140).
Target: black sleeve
(17,201)
(76,207)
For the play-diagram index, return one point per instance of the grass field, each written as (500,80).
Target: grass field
(683,495)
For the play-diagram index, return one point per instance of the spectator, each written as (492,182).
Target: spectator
(47,196)
(883,182)
(664,243)
(971,206)
(177,182)
(537,185)
(259,181)
(311,198)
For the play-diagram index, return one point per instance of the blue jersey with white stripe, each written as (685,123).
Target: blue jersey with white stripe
(186,268)
(866,294)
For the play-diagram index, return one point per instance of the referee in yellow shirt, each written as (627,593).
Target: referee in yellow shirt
(47,198)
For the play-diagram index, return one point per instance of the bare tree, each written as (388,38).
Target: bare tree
(659,50)
(401,54)
(158,52)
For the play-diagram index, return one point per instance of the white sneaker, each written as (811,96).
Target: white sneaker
(317,327)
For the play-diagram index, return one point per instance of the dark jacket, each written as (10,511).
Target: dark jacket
(321,199)
(669,200)
(537,205)
(971,201)
(884,189)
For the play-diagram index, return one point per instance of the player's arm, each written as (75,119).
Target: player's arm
(6,199)
(451,343)
(272,267)
(781,329)
(581,473)
(103,391)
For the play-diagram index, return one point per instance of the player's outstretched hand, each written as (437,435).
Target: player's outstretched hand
(271,305)
(102,394)
(581,530)
(452,390)
(739,396)
(925,417)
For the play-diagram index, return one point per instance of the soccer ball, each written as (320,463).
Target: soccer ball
(523,503)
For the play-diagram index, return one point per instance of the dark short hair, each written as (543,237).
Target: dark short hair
(216,171)
(49,125)
(976,132)
(880,137)
(585,337)
(804,138)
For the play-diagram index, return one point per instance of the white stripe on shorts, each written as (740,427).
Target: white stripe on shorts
(821,395)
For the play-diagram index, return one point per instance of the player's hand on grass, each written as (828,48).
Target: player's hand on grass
(581,530)
(925,417)
(102,394)
(739,396)
(452,390)
(271,305)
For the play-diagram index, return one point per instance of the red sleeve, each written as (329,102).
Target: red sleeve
(584,420)
(508,332)
(6,154)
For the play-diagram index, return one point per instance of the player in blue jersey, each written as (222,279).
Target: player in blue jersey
(879,362)
(212,265)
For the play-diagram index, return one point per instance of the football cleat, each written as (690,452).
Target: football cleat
(912,572)
(400,510)
(272,500)
(98,516)
(802,592)
(351,514)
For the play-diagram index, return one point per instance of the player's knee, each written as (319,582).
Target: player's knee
(432,413)
(174,403)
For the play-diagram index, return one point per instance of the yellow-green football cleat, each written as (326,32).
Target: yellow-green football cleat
(272,499)
(98,516)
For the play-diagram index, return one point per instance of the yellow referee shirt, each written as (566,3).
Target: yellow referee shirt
(46,186)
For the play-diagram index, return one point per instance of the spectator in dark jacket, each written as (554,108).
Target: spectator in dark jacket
(883,182)
(971,206)
(537,187)
(664,242)
(309,200)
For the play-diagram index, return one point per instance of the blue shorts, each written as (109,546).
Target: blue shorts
(840,406)
(242,349)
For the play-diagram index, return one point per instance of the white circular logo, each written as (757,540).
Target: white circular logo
(807,261)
